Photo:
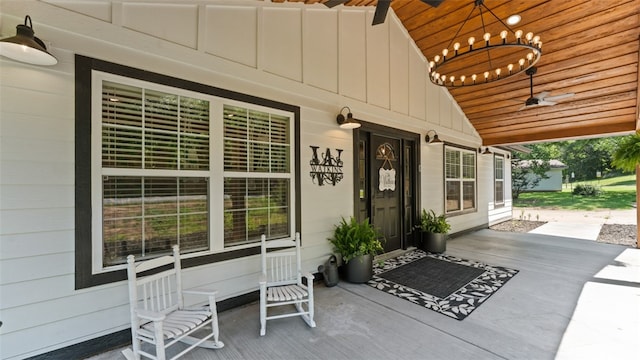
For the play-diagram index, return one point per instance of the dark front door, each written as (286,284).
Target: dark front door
(385,156)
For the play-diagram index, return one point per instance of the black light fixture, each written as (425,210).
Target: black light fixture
(511,53)
(349,122)
(26,47)
(487,151)
(434,140)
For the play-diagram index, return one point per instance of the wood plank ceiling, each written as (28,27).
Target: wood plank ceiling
(590,48)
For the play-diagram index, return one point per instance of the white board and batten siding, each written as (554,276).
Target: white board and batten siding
(289,53)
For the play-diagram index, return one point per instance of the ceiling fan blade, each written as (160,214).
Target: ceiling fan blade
(332,3)
(433,3)
(381,12)
(546,103)
(559,97)
(542,95)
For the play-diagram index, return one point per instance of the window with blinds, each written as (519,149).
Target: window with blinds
(460,179)
(499,180)
(155,162)
(257,175)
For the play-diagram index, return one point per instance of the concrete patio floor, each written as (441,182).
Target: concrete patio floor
(572,299)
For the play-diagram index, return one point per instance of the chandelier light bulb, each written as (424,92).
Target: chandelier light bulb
(536,39)
(462,78)
(486,75)
(443,78)
(452,78)
(510,67)
(521,62)
(498,71)
(474,77)
(431,64)
(503,35)
(436,58)
(487,37)
(444,54)
(539,44)
(518,35)
(530,57)
(471,41)
(456,47)
(529,36)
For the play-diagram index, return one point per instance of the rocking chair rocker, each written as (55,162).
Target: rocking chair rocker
(281,281)
(158,314)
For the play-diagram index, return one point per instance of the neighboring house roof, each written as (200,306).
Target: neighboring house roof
(553,164)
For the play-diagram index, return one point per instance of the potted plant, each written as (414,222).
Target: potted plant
(434,229)
(357,243)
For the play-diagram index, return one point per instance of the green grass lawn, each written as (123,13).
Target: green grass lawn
(617,193)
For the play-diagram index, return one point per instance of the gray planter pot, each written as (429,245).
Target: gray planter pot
(359,269)
(434,242)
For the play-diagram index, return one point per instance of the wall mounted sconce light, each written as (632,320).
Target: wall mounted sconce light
(26,47)
(434,140)
(487,151)
(349,122)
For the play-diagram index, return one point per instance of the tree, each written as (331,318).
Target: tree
(627,156)
(526,174)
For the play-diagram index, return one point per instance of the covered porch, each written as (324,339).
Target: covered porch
(571,299)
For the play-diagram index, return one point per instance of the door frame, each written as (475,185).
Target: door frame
(404,136)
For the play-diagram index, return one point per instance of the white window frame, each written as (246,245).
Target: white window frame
(498,158)
(215,174)
(461,179)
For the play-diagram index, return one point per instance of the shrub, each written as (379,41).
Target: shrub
(586,190)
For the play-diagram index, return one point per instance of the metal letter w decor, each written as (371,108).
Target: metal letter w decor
(328,170)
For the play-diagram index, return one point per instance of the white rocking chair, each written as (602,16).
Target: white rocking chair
(281,281)
(158,314)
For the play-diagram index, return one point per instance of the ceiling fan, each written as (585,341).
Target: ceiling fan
(541,99)
(381,8)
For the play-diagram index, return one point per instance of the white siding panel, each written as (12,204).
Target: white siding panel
(418,95)
(242,22)
(321,49)
(377,63)
(445,108)
(13,295)
(353,75)
(433,102)
(97,9)
(282,42)
(37,172)
(21,101)
(399,67)
(25,269)
(35,244)
(36,128)
(36,220)
(177,23)
(27,149)
(36,196)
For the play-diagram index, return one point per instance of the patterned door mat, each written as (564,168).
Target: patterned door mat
(446,284)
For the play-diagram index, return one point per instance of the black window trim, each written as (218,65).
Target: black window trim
(84,278)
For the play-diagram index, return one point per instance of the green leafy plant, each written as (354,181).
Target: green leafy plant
(353,238)
(430,222)
(586,190)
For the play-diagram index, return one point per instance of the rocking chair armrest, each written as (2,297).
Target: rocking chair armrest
(200,291)
(150,315)
(309,276)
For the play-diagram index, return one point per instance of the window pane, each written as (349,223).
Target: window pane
(499,192)
(469,194)
(235,227)
(499,168)
(468,165)
(453,195)
(452,164)
(122,218)
(121,129)
(194,134)
(140,216)
(279,201)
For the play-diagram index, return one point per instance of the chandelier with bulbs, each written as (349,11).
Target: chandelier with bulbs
(487,61)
